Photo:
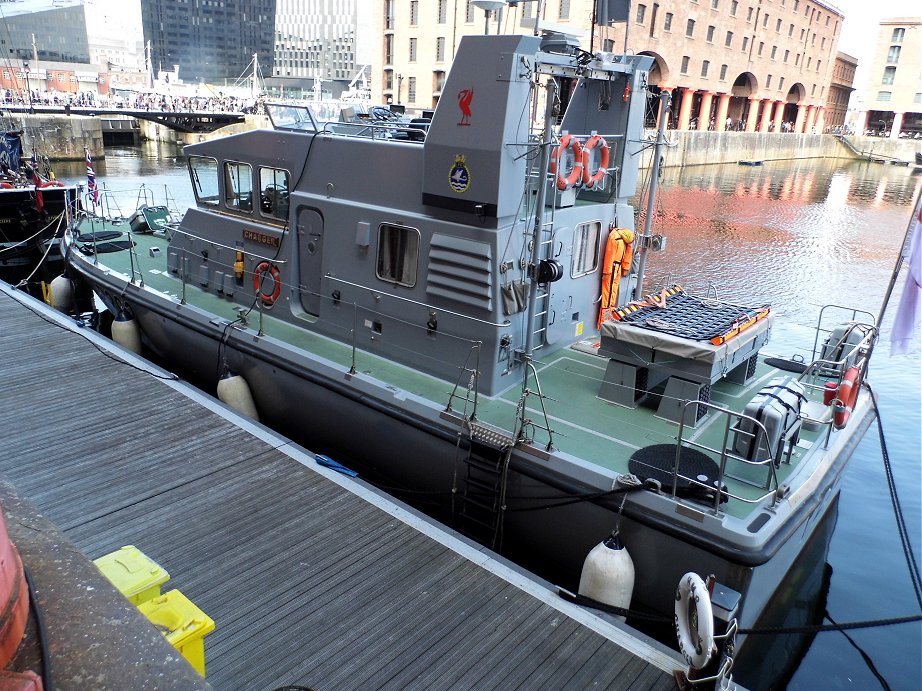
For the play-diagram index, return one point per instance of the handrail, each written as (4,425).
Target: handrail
(733,424)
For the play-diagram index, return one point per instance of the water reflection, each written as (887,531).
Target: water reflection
(792,234)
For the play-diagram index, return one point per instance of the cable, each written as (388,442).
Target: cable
(41,633)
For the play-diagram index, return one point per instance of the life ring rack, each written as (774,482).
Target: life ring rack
(259,275)
(575,176)
(845,397)
(694,620)
(596,141)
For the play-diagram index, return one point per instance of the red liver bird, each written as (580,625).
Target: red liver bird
(464,103)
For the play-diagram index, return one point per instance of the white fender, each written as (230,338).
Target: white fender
(62,294)
(126,332)
(235,392)
(694,620)
(608,574)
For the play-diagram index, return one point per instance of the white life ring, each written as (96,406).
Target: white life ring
(694,620)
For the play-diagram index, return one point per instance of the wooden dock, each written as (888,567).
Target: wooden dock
(313,578)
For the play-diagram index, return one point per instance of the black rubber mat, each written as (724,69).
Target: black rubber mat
(656,462)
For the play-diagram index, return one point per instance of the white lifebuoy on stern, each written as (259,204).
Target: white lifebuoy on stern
(694,620)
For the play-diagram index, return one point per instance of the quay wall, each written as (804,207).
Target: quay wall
(59,137)
(63,138)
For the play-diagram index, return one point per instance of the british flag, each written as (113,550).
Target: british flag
(91,188)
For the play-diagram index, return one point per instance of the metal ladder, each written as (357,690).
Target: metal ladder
(482,503)
(543,296)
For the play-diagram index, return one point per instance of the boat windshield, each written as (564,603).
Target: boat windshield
(286,116)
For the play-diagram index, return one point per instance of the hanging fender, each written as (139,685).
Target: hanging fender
(266,270)
(575,176)
(845,397)
(591,179)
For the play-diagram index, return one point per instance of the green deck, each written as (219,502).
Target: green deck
(584,426)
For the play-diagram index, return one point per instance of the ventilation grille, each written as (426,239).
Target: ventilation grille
(459,270)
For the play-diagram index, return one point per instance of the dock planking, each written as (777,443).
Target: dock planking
(312,578)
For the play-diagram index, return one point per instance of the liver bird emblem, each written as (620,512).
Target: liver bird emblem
(464,103)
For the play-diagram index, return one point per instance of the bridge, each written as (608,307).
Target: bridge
(182,121)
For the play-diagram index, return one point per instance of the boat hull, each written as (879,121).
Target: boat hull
(416,446)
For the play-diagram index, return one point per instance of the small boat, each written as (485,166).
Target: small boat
(35,209)
(429,308)
(750,162)
(150,219)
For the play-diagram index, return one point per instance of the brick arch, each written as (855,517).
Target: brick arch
(659,73)
(797,93)
(745,85)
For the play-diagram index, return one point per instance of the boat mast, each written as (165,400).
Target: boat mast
(647,236)
(543,165)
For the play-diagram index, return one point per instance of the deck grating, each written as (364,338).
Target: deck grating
(308,582)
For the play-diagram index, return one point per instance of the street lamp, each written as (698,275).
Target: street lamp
(488,6)
(399,84)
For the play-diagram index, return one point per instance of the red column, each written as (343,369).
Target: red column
(722,106)
(766,115)
(685,108)
(779,115)
(753,116)
(821,119)
(811,119)
(704,112)
(801,116)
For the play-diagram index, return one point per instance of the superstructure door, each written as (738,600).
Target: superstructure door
(310,255)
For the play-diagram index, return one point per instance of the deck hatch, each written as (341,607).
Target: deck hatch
(459,269)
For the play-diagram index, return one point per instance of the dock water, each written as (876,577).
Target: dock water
(313,578)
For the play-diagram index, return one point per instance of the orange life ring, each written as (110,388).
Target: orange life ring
(575,176)
(593,179)
(50,183)
(259,275)
(846,395)
(5,186)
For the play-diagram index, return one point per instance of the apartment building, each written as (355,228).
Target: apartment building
(892,94)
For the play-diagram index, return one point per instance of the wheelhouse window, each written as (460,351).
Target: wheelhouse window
(204,174)
(273,193)
(238,186)
(398,254)
(585,249)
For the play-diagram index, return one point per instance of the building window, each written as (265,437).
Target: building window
(389,14)
(733,7)
(564,12)
(398,254)
(778,26)
(790,31)
(898,35)
(761,46)
(469,13)
(796,4)
(780,84)
(641,11)
(723,72)
(893,55)
(797,60)
(414,12)
(685,60)
(883,95)
(711,30)
(768,82)
(728,42)
(787,54)
(809,60)
(389,49)
(774,50)
(889,74)
(765,21)
(585,249)
(705,65)
(749,15)
(690,28)
(714,4)
(818,63)
(442,11)
(440,49)
(411,90)
(745,43)
(412,50)
(667,23)
(918,98)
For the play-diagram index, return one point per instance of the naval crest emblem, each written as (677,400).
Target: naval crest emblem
(460,176)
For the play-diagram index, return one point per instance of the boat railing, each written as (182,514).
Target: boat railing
(394,131)
(757,468)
